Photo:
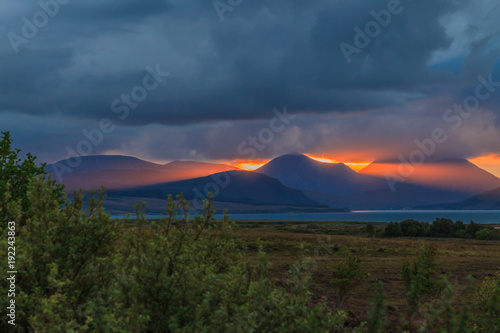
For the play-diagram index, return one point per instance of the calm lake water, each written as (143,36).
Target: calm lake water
(478,216)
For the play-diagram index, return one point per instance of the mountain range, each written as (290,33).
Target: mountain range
(115,172)
(304,173)
(290,183)
(237,187)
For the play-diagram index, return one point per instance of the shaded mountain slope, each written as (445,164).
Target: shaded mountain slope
(455,176)
(116,172)
(233,186)
(304,173)
(489,200)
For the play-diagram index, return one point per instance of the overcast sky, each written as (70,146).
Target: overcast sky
(229,67)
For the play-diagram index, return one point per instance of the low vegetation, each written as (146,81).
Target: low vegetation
(441,228)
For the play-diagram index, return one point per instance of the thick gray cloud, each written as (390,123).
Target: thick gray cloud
(226,76)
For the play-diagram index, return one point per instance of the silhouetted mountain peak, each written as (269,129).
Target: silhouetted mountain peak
(305,173)
(303,160)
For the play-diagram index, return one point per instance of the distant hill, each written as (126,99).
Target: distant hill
(106,162)
(458,176)
(489,200)
(336,185)
(242,187)
(115,171)
(301,172)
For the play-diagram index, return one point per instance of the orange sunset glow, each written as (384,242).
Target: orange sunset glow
(322,159)
(249,166)
(490,163)
(355,166)
(254,165)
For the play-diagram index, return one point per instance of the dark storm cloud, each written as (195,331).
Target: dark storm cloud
(234,72)
(262,55)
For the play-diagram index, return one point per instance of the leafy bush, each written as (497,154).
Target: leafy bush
(419,279)
(65,255)
(489,305)
(377,315)
(346,276)
(443,227)
(83,272)
(439,228)
(190,276)
(472,228)
(488,233)
(487,291)
(445,315)
(370,229)
(393,229)
(16,176)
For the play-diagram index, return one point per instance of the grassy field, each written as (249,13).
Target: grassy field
(328,243)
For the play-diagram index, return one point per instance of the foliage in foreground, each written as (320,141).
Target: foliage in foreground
(346,277)
(442,312)
(16,177)
(82,272)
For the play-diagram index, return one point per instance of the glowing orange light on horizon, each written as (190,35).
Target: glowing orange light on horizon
(249,166)
(322,159)
(254,165)
(490,163)
(358,166)
(492,158)
(355,166)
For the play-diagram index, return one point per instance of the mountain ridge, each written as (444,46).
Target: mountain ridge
(311,175)
(242,187)
(118,171)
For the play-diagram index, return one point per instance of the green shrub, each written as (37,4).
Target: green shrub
(82,272)
(65,259)
(412,228)
(377,315)
(393,229)
(370,230)
(419,279)
(346,276)
(193,278)
(472,228)
(443,228)
(487,291)
(16,176)
(445,315)
(488,233)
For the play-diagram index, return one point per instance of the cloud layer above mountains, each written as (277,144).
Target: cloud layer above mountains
(229,67)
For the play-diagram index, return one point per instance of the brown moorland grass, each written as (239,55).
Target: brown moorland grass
(382,259)
(328,243)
